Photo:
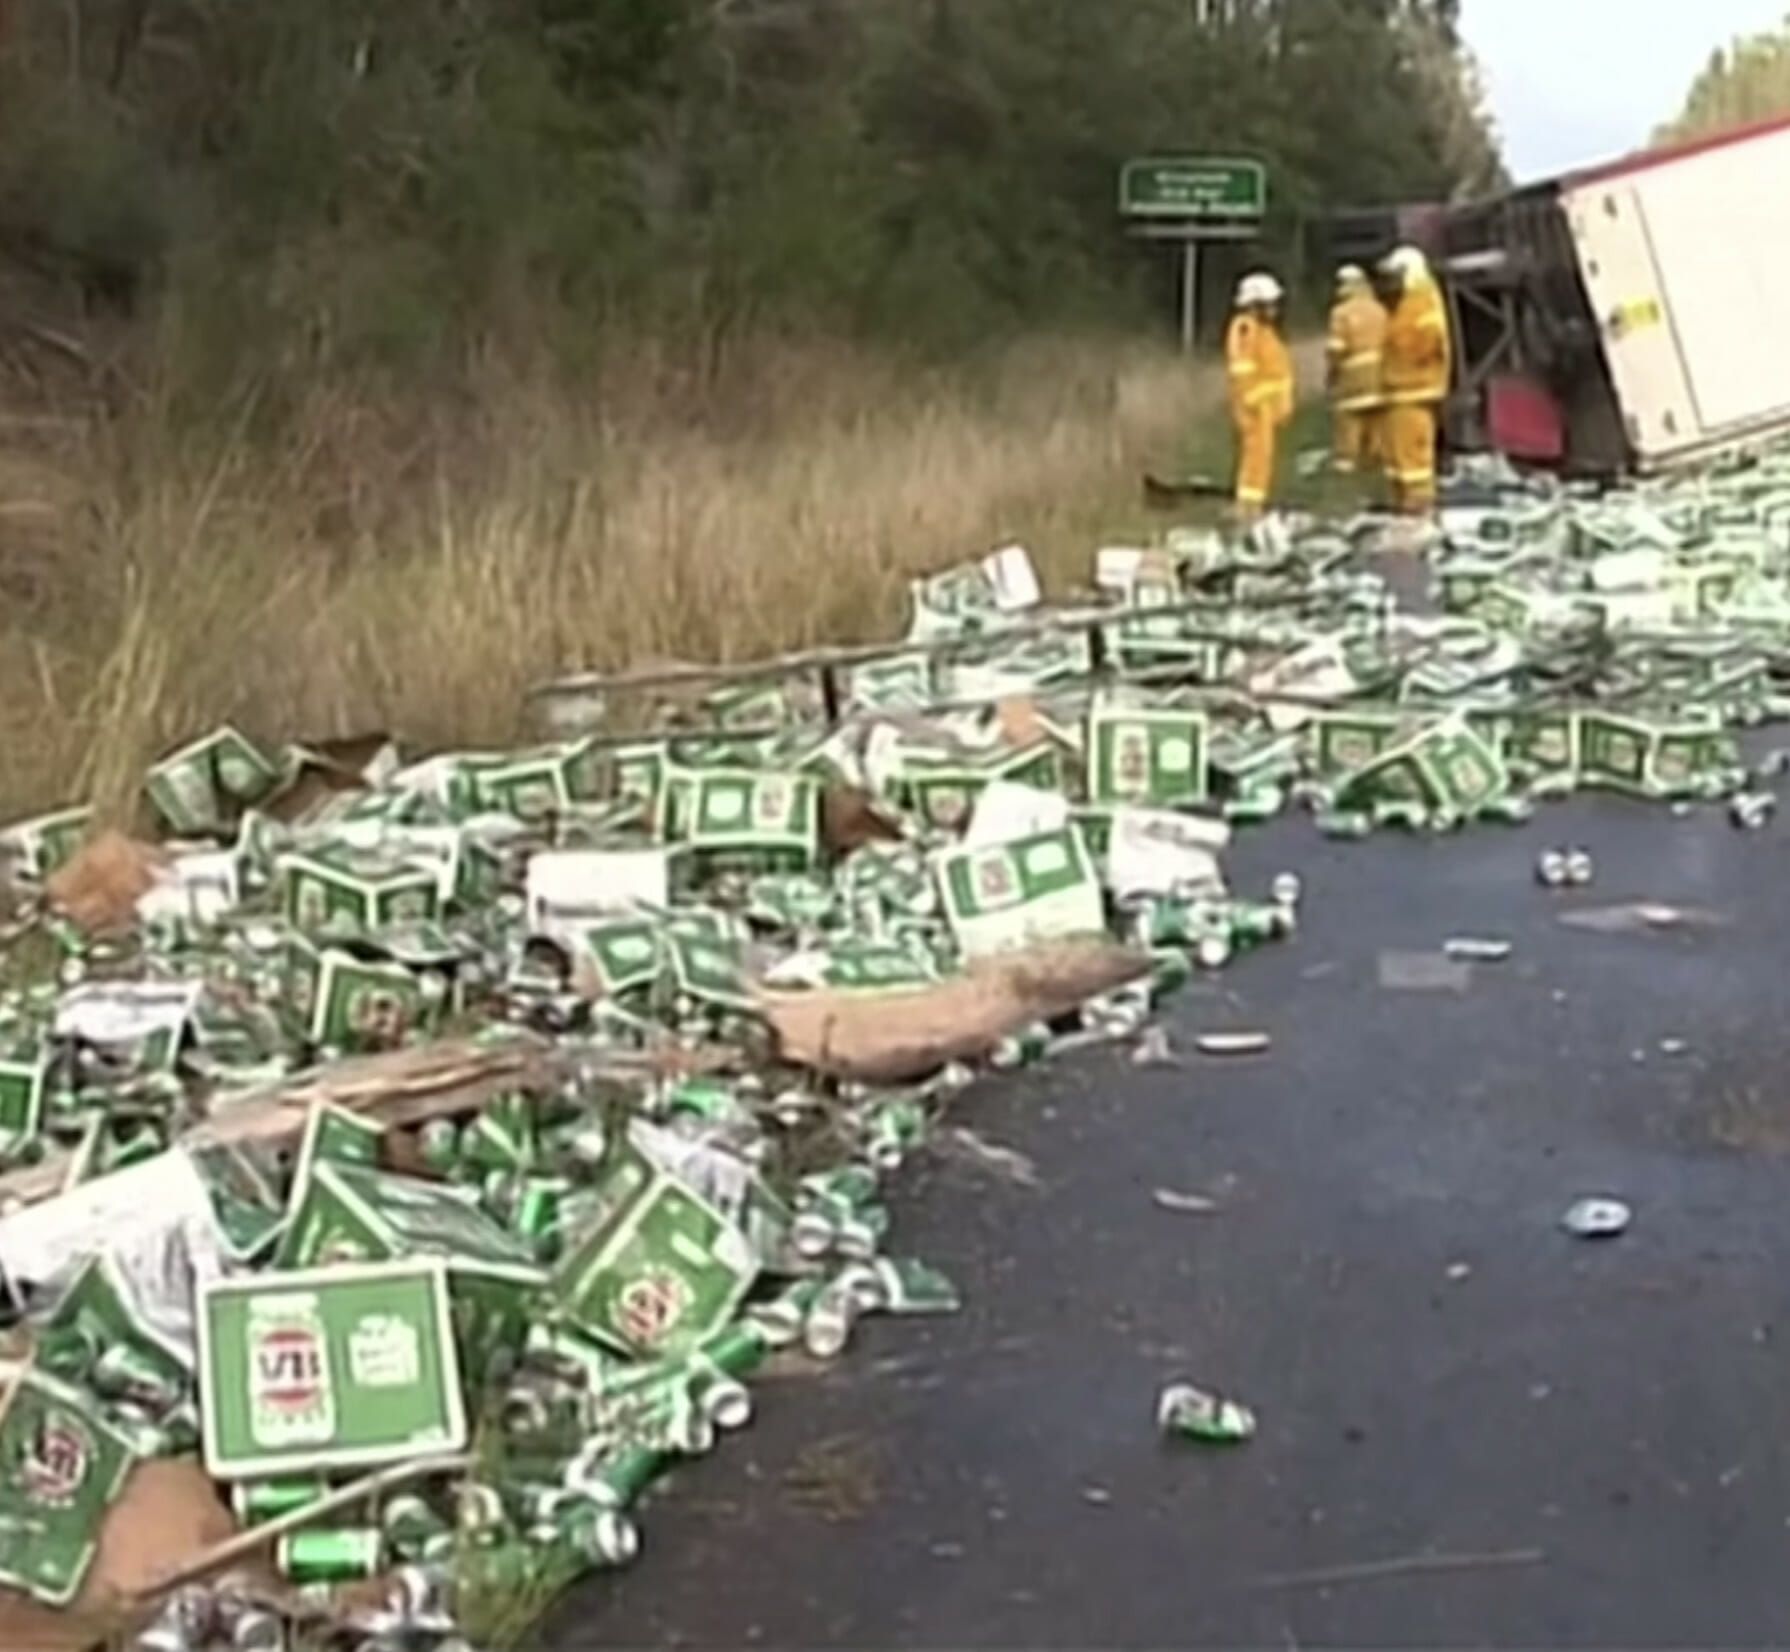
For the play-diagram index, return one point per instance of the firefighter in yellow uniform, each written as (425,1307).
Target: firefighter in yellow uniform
(1261,385)
(1416,363)
(1357,336)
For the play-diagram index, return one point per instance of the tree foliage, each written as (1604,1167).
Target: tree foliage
(1747,81)
(386,174)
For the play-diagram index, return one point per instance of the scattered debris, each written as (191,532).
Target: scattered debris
(1596,1218)
(1008,1163)
(1184,1204)
(1153,1048)
(1186,1412)
(498,1116)
(1232,1043)
(1751,811)
(1426,1563)
(1632,917)
(1564,868)
(1476,949)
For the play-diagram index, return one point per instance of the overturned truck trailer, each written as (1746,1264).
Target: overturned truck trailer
(1628,317)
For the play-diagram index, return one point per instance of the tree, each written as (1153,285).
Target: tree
(369,171)
(1748,81)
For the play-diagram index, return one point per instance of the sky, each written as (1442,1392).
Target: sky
(1577,81)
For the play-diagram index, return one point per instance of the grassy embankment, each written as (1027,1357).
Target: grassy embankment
(416,571)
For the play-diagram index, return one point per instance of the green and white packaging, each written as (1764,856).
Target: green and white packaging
(762,821)
(1648,758)
(62,1465)
(1005,895)
(341,890)
(941,789)
(1146,754)
(1343,741)
(1543,740)
(348,1213)
(198,790)
(98,1312)
(341,1001)
(1443,765)
(622,956)
(333,1135)
(902,682)
(31,850)
(710,971)
(659,1268)
(532,785)
(24,1084)
(328,1370)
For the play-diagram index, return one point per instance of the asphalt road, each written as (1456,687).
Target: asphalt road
(1597,1433)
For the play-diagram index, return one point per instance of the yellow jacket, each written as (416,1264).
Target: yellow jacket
(1260,370)
(1357,340)
(1418,355)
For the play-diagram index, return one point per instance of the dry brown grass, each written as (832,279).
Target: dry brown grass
(418,572)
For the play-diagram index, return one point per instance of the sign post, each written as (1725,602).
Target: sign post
(1190,199)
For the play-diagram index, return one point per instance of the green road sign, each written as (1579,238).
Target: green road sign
(1202,187)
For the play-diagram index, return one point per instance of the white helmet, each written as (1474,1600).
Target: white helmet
(1407,263)
(1258,287)
(1351,275)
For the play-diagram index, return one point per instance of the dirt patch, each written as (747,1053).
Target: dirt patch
(838,1478)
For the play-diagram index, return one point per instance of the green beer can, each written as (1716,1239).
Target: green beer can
(343,1554)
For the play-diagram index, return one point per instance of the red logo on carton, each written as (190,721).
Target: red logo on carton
(648,1309)
(289,1368)
(56,1461)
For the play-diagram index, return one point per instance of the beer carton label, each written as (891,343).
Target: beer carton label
(1546,741)
(531,789)
(338,889)
(194,788)
(1008,895)
(1463,770)
(331,1369)
(1445,765)
(1142,756)
(1344,741)
(61,1467)
(624,956)
(758,816)
(1614,751)
(660,1270)
(711,970)
(638,772)
(362,1006)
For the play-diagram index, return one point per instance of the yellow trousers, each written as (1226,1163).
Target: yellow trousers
(1355,438)
(1256,432)
(1410,453)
